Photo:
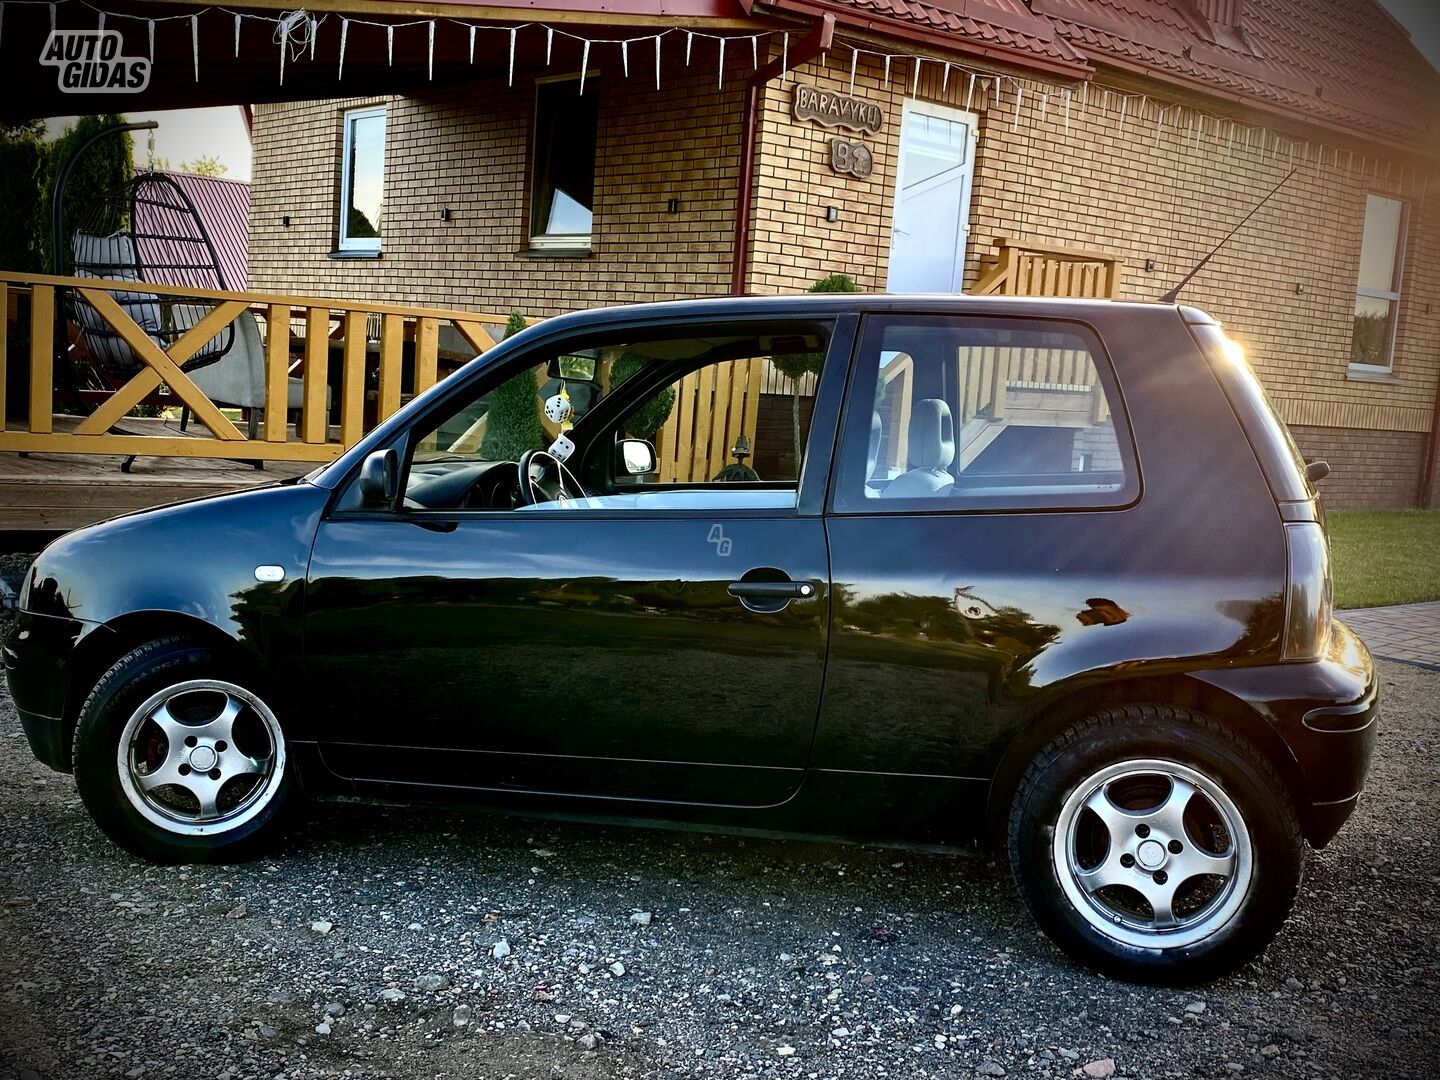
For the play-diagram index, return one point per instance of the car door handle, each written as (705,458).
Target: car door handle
(771,590)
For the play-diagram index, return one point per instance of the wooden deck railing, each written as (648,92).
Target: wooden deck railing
(298,335)
(1030,268)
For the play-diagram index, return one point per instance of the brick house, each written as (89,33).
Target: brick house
(1143,129)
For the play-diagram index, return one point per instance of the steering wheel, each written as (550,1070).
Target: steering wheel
(566,487)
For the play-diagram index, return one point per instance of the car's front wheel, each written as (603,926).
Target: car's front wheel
(177,759)
(1156,844)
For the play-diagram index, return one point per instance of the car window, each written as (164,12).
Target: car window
(963,413)
(727,414)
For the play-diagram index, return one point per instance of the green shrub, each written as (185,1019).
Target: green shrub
(646,421)
(106,167)
(513,424)
(797,365)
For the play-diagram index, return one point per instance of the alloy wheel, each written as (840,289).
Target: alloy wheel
(1153,853)
(201,757)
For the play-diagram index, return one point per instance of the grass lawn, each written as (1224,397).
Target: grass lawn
(1384,556)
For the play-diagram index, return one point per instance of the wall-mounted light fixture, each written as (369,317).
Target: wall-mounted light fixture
(1149,264)
(832,213)
(672,206)
(445,213)
(285,220)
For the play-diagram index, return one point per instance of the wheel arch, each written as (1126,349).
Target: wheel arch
(1179,690)
(98,651)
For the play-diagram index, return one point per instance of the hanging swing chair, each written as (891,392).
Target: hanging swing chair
(146,230)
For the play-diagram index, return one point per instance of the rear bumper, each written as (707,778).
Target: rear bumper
(1327,714)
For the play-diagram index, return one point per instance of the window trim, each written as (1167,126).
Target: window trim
(1129,494)
(1397,274)
(344,243)
(812,487)
(576,244)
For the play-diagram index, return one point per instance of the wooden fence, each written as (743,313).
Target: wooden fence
(713,407)
(1030,268)
(298,335)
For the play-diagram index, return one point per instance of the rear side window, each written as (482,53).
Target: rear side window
(955,413)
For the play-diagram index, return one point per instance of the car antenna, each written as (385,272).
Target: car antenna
(1174,294)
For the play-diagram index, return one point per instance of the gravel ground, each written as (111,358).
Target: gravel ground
(383,942)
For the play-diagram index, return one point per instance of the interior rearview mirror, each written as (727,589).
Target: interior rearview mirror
(571,368)
(380,478)
(634,457)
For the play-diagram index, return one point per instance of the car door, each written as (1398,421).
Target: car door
(975,547)
(665,644)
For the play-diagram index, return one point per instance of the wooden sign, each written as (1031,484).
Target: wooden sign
(851,158)
(829,109)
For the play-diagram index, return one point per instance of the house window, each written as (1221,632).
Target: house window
(563,192)
(1377,296)
(362,180)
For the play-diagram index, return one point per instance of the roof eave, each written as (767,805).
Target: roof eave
(937,39)
(1261,105)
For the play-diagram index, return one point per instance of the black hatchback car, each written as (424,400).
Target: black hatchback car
(1048,574)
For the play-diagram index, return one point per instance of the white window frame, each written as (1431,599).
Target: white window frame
(1393,295)
(345,242)
(555,241)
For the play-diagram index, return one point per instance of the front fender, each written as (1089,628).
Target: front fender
(191,565)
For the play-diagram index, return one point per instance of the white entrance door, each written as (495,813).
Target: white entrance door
(932,199)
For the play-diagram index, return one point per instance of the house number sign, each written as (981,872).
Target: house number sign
(833,110)
(851,158)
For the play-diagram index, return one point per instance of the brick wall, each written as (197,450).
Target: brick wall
(467,148)
(1284,286)
(1368,468)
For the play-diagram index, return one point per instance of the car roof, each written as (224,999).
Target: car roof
(863,303)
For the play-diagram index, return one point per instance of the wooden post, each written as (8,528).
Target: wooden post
(427,348)
(42,359)
(277,371)
(314,423)
(392,345)
(352,380)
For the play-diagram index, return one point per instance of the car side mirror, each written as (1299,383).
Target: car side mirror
(380,478)
(634,457)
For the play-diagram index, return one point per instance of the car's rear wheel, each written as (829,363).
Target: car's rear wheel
(178,759)
(1156,844)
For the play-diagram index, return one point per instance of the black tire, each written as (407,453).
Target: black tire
(128,685)
(1097,746)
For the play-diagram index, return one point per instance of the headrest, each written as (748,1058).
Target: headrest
(932,435)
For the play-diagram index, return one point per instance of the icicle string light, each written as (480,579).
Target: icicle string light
(625,58)
(584,65)
(720,75)
(430,53)
(511,76)
(300,34)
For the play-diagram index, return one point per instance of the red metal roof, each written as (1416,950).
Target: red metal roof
(224,208)
(1000,24)
(1339,63)
(1345,63)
